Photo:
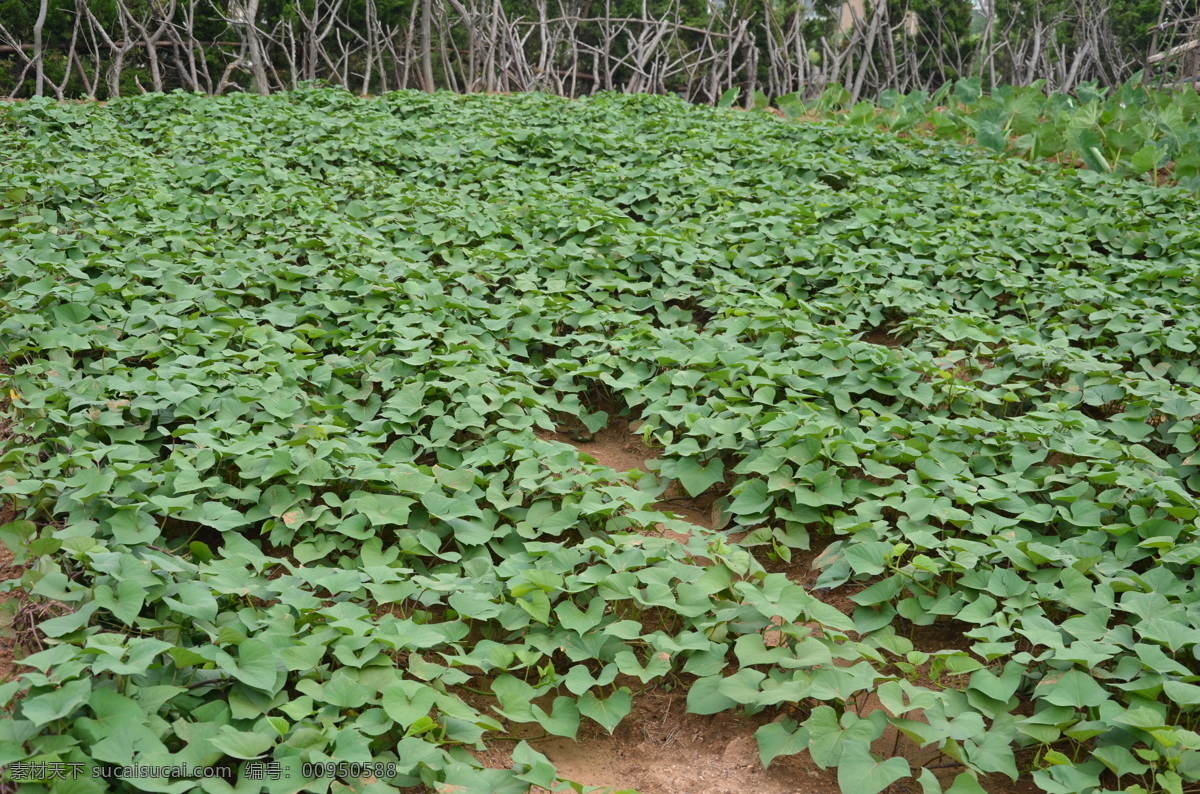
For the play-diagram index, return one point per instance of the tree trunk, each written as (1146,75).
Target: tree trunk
(258,55)
(39,72)
(427,45)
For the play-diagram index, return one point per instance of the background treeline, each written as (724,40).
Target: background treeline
(696,48)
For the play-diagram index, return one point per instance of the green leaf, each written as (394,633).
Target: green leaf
(381,509)
(991,136)
(752,500)
(705,697)
(55,705)
(1089,146)
(200,551)
(862,773)
(1181,693)
(254,666)
(15,536)
(446,507)
(563,719)
(696,478)
(792,106)
(776,739)
(344,692)
(828,741)
(965,783)
(1000,688)
(533,767)
(1071,689)
(743,686)
(993,752)
(61,626)
(216,515)
(1119,760)
(573,619)
(407,701)
(1145,159)
(241,744)
(607,712)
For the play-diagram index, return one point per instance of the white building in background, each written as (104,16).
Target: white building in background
(857,10)
(852,10)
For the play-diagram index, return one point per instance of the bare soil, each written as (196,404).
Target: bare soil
(621,449)
(615,446)
(661,749)
(884,336)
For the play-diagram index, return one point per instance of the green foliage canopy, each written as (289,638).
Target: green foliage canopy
(284,376)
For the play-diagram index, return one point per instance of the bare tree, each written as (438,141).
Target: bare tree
(427,45)
(318,24)
(1175,44)
(61,86)
(11,44)
(243,16)
(193,71)
(582,47)
(118,49)
(165,15)
(39,73)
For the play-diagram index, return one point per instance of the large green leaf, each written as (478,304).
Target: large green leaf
(255,665)
(1073,688)
(407,701)
(776,739)
(606,711)
(859,771)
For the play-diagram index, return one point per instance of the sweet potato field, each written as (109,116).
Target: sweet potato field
(305,398)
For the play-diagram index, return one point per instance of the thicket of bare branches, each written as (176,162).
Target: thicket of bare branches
(577,47)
